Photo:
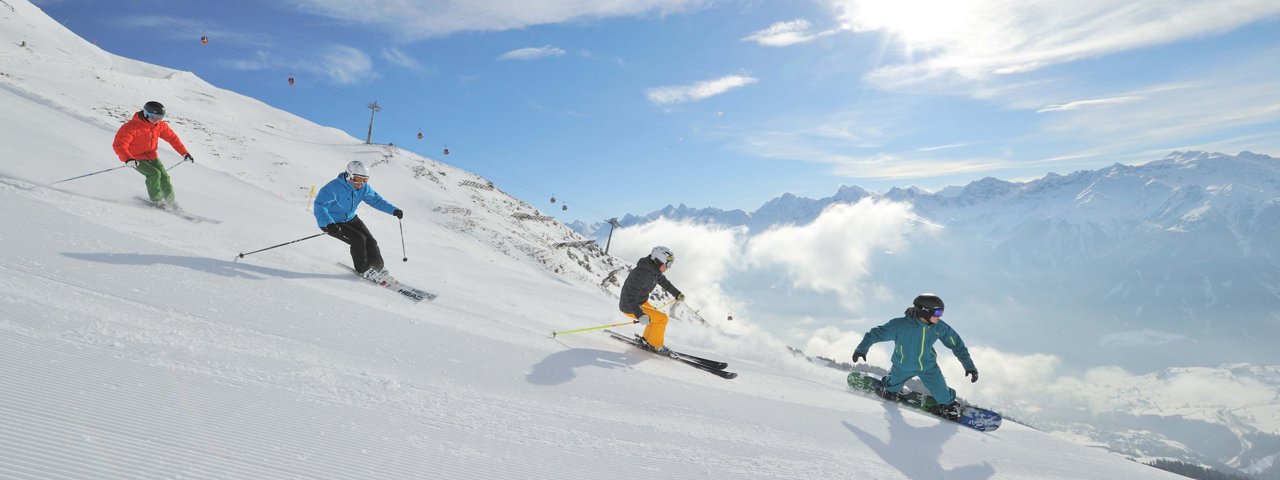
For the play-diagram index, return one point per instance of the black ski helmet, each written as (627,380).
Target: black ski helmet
(927,304)
(153,108)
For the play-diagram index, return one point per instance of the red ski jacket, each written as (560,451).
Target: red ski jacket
(137,139)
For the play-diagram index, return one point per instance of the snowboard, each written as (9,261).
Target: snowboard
(973,417)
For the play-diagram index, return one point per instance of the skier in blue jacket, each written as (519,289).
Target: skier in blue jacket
(913,355)
(335,210)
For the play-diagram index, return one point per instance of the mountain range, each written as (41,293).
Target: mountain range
(1145,266)
(1168,268)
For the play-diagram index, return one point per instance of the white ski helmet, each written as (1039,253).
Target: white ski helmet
(662,255)
(357,169)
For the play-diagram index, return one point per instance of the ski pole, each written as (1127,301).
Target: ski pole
(176,164)
(88,174)
(553,334)
(280,245)
(406,256)
(669,302)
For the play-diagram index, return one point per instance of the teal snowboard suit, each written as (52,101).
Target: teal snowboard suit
(913,354)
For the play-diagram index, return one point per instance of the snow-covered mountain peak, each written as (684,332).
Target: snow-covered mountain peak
(850,193)
(987,189)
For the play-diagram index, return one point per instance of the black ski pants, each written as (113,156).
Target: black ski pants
(364,248)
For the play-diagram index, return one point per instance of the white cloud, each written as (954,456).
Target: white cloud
(705,256)
(787,33)
(978,39)
(698,91)
(936,148)
(183,30)
(1141,338)
(342,65)
(398,57)
(1078,104)
(834,253)
(415,20)
(532,53)
(904,167)
(345,65)
(814,146)
(260,61)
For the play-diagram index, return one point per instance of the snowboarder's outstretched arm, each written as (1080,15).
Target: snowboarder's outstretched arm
(953,341)
(876,335)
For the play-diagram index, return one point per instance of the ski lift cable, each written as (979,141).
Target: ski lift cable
(509,177)
(454,151)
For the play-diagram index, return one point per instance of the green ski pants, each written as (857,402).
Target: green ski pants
(158,186)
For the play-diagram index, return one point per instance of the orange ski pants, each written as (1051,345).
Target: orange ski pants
(656,332)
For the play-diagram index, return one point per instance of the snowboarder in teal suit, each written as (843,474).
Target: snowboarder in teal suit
(913,354)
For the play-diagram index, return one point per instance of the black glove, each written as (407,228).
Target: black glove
(680,297)
(398,213)
(857,355)
(131,164)
(974,373)
(189,158)
(333,229)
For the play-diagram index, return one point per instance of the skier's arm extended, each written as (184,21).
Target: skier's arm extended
(666,285)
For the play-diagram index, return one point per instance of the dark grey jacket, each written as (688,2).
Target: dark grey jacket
(640,283)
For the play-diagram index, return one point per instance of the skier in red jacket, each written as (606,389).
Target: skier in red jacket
(136,143)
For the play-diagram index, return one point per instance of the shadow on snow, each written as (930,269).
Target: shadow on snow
(915,451)
(560,367)
(210,265)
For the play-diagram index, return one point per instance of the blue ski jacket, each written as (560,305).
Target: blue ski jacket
(913,343)
(337,201)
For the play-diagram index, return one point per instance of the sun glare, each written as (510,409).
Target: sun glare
(918,24)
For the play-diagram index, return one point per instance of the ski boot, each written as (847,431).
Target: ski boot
(649,346)
(377,275)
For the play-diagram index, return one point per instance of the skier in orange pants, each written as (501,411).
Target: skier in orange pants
(634,300)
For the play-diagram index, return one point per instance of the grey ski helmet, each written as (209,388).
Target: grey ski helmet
(153,109)
(928,304)
(662,255)
(357,169)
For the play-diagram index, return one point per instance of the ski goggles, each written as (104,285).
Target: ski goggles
(937,312)
(359,179)
(157,116)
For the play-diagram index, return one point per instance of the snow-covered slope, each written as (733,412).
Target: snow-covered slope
(134,344)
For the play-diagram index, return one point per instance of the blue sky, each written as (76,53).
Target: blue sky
(626,106)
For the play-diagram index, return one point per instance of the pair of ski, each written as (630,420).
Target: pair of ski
(713,367)
(412,293)
(979,419)
(177,211)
